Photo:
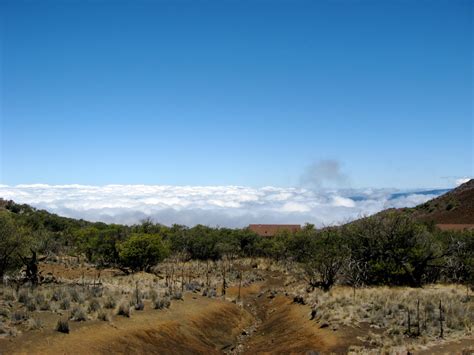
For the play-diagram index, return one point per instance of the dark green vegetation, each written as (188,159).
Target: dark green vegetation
(386,249)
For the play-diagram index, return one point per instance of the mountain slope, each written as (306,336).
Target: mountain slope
(454,207)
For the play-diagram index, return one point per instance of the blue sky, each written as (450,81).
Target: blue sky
(249,93)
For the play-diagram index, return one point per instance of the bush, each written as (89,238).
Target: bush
(124,310)
(23,296)
(65,304)
(34,324)
(39,298)
(58,295)
(13,243)
(4,312)
(96,291)
(178,295)
(30,305)
(78,314)
(9,296)
(161,303)
(153,295)
(76,296)
(110,303)
(19,316)
(62,326)
(142,251)
(103,316)
(94,306)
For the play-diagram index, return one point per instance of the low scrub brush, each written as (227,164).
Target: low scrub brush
(124,310)
(78,314)
(62,326)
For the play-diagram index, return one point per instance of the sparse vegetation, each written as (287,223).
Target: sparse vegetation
(365,274)
(62,326)
(103,316)
(94,306)
(78,314)
(124,310)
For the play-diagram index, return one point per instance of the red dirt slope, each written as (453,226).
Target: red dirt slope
(453,208)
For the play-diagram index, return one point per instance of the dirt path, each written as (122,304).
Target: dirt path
(281,326)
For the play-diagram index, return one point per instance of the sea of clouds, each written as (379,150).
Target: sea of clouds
(225,206)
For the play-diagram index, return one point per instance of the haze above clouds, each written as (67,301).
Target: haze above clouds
(226,206)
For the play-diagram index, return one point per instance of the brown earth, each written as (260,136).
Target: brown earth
(266,321)
(282,326)
(197,325)
(453,208)
(64,271)
(455,227)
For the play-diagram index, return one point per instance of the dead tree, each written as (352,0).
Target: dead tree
(224,285)
(31,267)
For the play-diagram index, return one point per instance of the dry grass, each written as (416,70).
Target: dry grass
(383,310)
(397,315)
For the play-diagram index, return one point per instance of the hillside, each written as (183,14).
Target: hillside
(453,208)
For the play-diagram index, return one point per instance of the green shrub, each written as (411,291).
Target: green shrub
(142,251)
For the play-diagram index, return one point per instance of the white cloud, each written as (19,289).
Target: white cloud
(461,181)
(232,206)
(343,201)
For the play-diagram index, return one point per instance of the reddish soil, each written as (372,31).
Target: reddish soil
(455,227)
(453,208)
(198,324)
(267,321)
(63,271)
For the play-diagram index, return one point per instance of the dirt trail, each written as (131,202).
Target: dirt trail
(281,326)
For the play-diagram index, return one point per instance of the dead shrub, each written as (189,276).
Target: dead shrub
(19,316)
(77,296)
(94,306)
(78,314)
(124,310)
(103,316)
(110,303)
(59,295)
(23,296)
(65,304)
(161,303)
(35,324)
(62,326)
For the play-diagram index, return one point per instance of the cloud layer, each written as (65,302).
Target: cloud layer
(230,206)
